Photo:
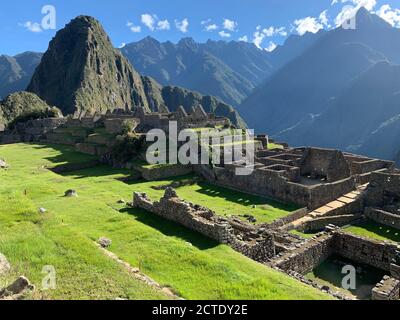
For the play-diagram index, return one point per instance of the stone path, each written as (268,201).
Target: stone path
(330,207)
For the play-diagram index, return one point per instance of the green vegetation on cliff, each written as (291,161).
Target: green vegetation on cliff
(23,106)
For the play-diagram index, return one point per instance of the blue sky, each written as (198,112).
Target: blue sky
(264,22)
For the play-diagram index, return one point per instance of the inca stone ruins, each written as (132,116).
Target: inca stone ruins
(332,189)
(265,167)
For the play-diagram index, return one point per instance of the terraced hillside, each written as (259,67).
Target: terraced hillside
(189,264)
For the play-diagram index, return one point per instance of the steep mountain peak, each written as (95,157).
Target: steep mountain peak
(81,71)
(367,20)
(150,39)
(188,42)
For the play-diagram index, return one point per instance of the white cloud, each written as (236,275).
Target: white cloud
(260,34)
(122,45)
(229,25)
(390,15)
(133,27)
(323,18)
(183,25)
(244,39)
(271,46)
(163,25)
(205,22)
(148,20)
(224,34)
(368,4)
(211,27)
(32,26)
(308,24)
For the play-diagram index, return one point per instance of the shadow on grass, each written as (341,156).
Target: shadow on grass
(68,154)
(171,229)
(96,171)
(241,198)
(380,229)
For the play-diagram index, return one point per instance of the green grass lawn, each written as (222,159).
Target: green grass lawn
(374,230)
(228,202)
(190,264)
(274,146)
(302,234)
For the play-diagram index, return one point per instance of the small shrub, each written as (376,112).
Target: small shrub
(128,146)
(128,126)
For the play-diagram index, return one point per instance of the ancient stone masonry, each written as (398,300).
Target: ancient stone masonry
(381,255)
(31,131)
(302,259)
(246,239)
(305,258)
(383,198)
(309,177)
(198,118)
(387,289)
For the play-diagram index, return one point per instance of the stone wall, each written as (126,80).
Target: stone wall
(381,255)
(270,183)
(161,172)
(374,253)
(308,256)
(324,193)
(256,244)
(319,224)
(383,217)
(114,125)
(298,214)
(325,163)
(384,188)
(32,130)
(387,289)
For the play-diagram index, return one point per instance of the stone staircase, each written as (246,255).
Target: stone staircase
(344,208)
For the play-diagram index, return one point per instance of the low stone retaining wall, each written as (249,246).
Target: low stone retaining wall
(381,255)
(255,244)
(319,224)
(373,253)
(387,289)
(307,257)
(163,172)
(298,214)
(268,183)
(383,217)
(325,193)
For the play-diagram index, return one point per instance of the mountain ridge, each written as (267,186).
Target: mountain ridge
(82,72)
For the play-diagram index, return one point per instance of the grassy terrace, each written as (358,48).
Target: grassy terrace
(193,266)
(373,230)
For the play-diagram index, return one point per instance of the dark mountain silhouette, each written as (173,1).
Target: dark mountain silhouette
(341,92)
(227,70)
(16,72)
